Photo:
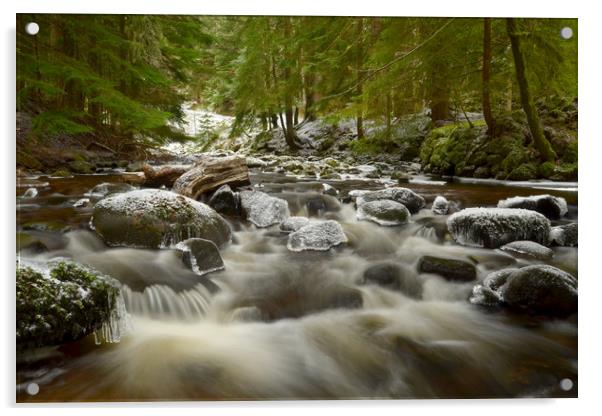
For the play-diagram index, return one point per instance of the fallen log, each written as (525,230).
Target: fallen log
(164,176)
(210,173)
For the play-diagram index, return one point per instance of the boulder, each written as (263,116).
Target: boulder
(383,212)
(62,304)
(450,269)
(538,289)
(81,166)
(494,227)
(153,218)
(412,201)
(440,205)
(329,190)
(529,249)
(292,224)
(226,202)
(552,207)
(200,255)
(210,173)
(30,193)
(565,235)
(262,209)
(394,277)
(317,236)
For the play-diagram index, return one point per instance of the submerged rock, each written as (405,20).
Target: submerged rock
(538,289)
(440,205)
(383,212)
(411,200)
(450,269)
(493,227)
(552,207)
(565,235)
(226,202)
(394,277)
(62,304)
(318,236)
(247,314)
(152,218)
(262,209)
(293,224)
(529,248)
(200,255)
(107,188)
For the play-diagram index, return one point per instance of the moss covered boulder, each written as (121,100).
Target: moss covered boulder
(62,304)
(152,218)
(383,212)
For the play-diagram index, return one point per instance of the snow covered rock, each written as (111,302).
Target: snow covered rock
(383,212)
(565,235)
(552,207)
(153,218)
(200,255)
(494,227)
(538,289)
(30,193)
(329,190)
(440,205)
(318,236)
(292,224)
(63,303)
(412,201)
(225,201)
(450,269)
(262,209)
(529,248)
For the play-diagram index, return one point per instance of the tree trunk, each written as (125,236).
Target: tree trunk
(487,76)
(508,103)
(296,116)
(541,143)
(360,86)
(388,115)
(308,81)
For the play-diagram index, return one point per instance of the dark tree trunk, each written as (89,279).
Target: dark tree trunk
(296,116)
(360,83)
(388,115)
(487,76)
(308,82)
(540,142)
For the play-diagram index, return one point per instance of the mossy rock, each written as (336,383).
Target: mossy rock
(61,305)
(82,167)
(571,153)
(515,158)
(61,173)
(546,169)
(482,172)
(565,172)
(28,161)
(524,172)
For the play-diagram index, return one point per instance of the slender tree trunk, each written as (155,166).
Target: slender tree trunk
(388,115)
(360,86)
(289,132)
(541,143)
(487,76)
(508,103)
(296,116)
(308,81)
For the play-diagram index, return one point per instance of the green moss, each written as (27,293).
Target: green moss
(546,169)
(61,173)
(524,172)
(68,304)
(571,153)
(80,166)
(28,161)
(565,172)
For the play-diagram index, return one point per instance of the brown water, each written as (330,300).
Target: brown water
(313,341)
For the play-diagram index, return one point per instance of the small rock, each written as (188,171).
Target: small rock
(329,190)
(565,235)
(82,203)
(395,277)
(107,188)
(440,205)
(552,207)
(30,193)
(529,248)
(401,177)
(411,200)
(318,236)
(451,269)
(262,209)
(200,255)
(292,224)
(247,313)
(383,212)
(226,202)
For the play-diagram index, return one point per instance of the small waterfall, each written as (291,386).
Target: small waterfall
(428,233)
(162,302)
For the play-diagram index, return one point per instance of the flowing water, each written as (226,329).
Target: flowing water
(281,325)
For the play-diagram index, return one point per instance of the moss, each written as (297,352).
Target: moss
(61,173)
(546,169)
(80,166)
(571,153)
(28,161)
(524,172)
(565,172)
(515,158)
(65,305)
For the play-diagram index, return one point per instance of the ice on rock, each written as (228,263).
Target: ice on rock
(262,209)
(30,193)
(318,236)
(565,235)
(384,212)
(440,205)
(412,201)
(494,227)
(553,207)
(529,248)
(292,224)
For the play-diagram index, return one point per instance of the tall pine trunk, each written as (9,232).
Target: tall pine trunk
(539,140)
(487,76)
(360,83)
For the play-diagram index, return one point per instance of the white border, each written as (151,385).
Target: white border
(590,153)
